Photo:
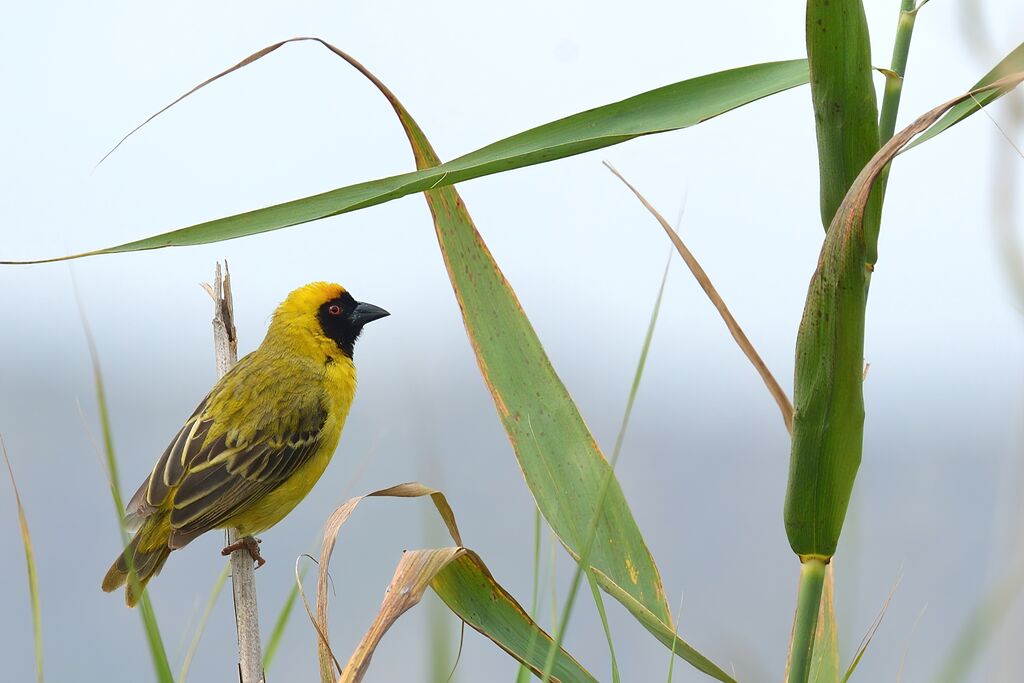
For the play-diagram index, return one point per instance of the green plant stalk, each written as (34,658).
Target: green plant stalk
(843,95)
(808,601)
(894,86)
(828,397)
(898,67)
(828,424)
(584,562)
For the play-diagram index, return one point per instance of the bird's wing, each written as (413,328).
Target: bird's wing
(168,471)
(224,477)
(204,480)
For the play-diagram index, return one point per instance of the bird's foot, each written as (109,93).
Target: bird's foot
(250,544)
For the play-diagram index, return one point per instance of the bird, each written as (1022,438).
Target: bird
(258,441)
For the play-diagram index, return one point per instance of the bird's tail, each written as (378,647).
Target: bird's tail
(145,562)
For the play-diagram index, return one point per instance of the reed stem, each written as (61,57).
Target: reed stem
(805,622)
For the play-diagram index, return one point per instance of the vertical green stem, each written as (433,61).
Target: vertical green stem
(805,622)
(891,98)
(898,67)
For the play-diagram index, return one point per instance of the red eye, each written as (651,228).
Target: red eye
(334,309)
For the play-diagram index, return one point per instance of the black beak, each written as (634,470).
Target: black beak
(366,313)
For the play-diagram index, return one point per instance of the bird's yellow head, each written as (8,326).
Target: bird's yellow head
(326,315)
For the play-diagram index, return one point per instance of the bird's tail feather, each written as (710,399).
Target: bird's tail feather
(145,563)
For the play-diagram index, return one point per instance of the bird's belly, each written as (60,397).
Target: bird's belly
(274,506)
(271,508)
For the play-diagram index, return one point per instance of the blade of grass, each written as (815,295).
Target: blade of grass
(523,674)
(281,623)
(978,629)
(661,110)
(30,567)
(672,650)
(157,651)
(869,636)
(193,646)
(776,390)
(584,562)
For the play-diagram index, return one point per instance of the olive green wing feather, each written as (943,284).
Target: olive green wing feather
(204,481)
(226,477)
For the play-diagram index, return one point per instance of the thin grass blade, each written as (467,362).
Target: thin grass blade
(584,562)
(741,339)
(211,601)
(30,567)
(870,635)
(523,674)
(281,623)
(974,635)
(157,650)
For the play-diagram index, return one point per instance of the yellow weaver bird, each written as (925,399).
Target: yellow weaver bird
(258,442)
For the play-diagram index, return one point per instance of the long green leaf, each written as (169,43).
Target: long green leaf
(667,108)
(1011,63)
(564,467)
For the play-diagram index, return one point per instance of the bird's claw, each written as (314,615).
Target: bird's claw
(249,544)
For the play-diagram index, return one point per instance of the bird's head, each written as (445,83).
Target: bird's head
(326,314)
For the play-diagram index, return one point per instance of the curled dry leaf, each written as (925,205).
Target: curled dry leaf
(460,579)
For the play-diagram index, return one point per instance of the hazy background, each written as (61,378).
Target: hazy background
(704,464)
